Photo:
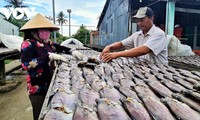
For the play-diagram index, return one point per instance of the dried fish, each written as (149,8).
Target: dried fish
(84,113)
(99,70)
(168,75)
(108,81)
(183,82)
(145,91)
(117,76)
(153,67)
(158,110)
(78,85)
(128,93)
(109,110)
(159,88)
(193,104)
(188,74)
(124,82)
(138,74)
(111,94)
(88,96)
(109,70)
(197,73)
(64,100)
(136,109)
(196,95)
(173,86)
(191,80)
(97,85)
(197,86)
(181,110)
(75,71)
(139,82)
(54,114)
(92,77)
(87,71)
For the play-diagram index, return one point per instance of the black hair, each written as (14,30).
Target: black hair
(27,34)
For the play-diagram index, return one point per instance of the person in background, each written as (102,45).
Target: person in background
(37,56)
(149,44)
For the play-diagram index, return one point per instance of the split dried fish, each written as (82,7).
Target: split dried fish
(193,104)
(136,109)
(158,110)
(181,110)
(109,110)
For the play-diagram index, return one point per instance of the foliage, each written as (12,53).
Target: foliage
(61,19)
(59,37)
(18,23)
(7,61)
(83,35)
(15,3)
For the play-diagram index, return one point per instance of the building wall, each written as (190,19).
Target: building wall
(7,27)
(114,25)
(94,37)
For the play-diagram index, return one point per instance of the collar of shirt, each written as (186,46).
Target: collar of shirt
(149,32)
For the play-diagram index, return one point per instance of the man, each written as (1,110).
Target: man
(149,44)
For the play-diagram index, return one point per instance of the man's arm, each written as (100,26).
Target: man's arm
(134,52)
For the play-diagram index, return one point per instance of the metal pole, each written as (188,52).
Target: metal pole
(69,11)
(54,33)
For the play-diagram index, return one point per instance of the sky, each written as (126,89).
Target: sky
(84,12)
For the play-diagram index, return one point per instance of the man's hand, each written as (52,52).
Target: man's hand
(105,50)
(109,56)
(54,56)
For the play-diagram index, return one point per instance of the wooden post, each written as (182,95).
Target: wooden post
(2,72)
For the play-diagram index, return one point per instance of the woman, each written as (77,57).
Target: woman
(37,56)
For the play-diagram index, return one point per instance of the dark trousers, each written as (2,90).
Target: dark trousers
(37,102)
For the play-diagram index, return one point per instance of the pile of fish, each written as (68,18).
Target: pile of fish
(191,60)
(122,89)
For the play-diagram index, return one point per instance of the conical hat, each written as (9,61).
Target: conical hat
(39,21)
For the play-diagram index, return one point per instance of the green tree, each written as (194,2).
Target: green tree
(15,3)
(83,35)
(61,20)
(59,37)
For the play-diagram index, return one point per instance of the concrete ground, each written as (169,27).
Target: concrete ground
(15,104)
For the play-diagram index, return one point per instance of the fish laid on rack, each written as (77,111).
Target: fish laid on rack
(88,96)
(194,94)
(159,88)
(158,110)
(173,86)
(84,113)
(181,110)
(193,104)
(110,110)
(136,109)
(110,93)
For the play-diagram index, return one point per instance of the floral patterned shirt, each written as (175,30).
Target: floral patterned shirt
(34,59)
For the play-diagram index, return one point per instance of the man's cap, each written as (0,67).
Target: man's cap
(39,21)
(144,12)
